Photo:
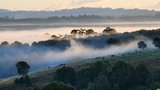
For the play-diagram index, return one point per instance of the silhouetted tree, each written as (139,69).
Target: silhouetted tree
(109,31)
(5,43)
(156,42)
(55,37)
(74,31)
(89,31)
(22,68)
(17,43)
(141,45)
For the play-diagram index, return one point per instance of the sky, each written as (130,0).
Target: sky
(69,4)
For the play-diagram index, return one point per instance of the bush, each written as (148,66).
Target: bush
(66,75)
(57,86)
(23,81)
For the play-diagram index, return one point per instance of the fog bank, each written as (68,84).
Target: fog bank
(77,51)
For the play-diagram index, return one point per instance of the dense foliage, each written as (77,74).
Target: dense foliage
(121,76)
(156,42)
(57,86)
(141,45)
(22,68)
(66,75)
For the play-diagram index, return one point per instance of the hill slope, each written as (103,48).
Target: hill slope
(45,76)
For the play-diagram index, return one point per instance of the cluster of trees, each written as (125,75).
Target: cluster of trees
(24,82)
(143,45)
(101,75)
(20,47)
(85,18)
(61,43)
(104,76)
(107,31)
(14,44)
(76,17)
(82,32)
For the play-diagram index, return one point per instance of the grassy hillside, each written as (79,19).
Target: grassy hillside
(45,76)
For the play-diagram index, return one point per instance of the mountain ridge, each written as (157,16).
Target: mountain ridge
(78,11)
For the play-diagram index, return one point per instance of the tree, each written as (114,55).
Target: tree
(113,41)
(142,75)
(141,45)
(109,31)
(100,83)
(156,42)
(89,31)
(22,68)
(121,75)
(57,86)
(5,43)
(74,31)
(66,75)
(85,76)
(55,37)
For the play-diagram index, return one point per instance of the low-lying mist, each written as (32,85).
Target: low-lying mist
(77,51)
(70,48)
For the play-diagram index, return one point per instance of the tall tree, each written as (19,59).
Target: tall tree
(22,68)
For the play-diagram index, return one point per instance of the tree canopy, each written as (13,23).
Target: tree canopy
(22,68)
(141,45)
(156,42)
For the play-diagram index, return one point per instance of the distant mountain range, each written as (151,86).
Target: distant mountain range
(78,11)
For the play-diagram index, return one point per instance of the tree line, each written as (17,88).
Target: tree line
(101,75)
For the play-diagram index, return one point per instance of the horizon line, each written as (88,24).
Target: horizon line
(84,7)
